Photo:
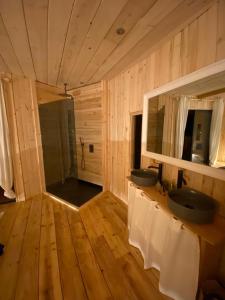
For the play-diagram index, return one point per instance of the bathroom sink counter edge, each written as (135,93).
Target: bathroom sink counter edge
(213,233)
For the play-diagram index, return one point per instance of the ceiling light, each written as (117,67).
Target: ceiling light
(120,31)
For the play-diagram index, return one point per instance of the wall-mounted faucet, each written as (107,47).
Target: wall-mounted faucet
(180,179)
(160,169)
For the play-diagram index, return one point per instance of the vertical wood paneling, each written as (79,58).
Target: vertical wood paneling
(221,30)
(202,42)
(89,127)
(105,137)
(37,134)
(192,38)
(175,65)
(195,46)
(22,105)
(207,38)
(164,62)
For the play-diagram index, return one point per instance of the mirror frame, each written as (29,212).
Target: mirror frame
(202,73)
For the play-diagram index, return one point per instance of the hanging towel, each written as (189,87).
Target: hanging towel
(156,238)
(180,263)
(141,223)
(131,199)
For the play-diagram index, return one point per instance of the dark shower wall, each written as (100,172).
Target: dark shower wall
(57,131)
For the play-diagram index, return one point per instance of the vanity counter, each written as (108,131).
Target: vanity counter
(213,233)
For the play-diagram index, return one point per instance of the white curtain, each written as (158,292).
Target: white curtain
(166,245)
(6,172)
(179,270)
(180,125)
(215,130)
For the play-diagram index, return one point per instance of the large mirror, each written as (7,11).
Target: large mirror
(184,124)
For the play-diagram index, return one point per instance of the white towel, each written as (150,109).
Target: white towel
(141,222)
(156,238)
(180,263)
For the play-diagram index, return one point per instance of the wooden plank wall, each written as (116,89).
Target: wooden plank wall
(200,43)
(21,103)
(89,127)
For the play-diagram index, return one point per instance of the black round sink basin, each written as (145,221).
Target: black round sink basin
(192,205)
(144,177)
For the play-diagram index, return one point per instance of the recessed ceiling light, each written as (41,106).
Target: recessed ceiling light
(120,30)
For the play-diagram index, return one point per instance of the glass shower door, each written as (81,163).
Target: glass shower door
(57,124)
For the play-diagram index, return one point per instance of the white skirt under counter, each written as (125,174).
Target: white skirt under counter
(165,244)
(179,268)
(140,222)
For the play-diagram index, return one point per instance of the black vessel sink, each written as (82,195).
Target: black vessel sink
(144,177)
(192,205)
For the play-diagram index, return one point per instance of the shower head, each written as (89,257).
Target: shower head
(65,94)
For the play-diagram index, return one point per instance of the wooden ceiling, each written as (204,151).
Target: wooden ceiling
(76,41)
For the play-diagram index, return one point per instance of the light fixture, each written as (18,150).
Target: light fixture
(120,31)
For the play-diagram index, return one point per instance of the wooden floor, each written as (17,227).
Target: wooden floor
(54,252)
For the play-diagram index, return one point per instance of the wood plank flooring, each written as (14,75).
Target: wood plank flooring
(55,252)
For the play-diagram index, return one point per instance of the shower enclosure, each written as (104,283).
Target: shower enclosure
(57,122)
